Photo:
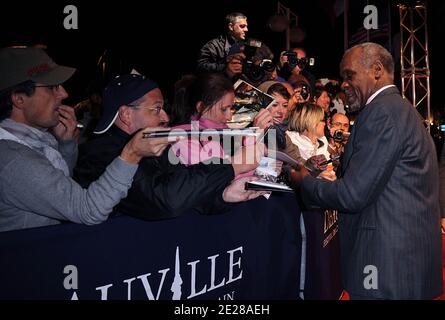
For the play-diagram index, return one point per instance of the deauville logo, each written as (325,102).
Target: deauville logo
(226,274)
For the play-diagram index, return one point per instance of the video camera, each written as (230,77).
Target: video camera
(340,136)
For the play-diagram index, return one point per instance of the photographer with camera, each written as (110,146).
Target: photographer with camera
(235,62)
(258,65)
(213,56)
(338,126)
(293,64)
(301,94)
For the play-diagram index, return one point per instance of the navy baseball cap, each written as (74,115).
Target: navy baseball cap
(122,90)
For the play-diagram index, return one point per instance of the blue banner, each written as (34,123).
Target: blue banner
(323,269)
(252,252)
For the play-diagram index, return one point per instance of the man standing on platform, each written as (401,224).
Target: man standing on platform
(214,55)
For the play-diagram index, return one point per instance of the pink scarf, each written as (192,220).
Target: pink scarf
(193,151)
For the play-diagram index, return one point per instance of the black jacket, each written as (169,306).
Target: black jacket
(160,189)
(213,55)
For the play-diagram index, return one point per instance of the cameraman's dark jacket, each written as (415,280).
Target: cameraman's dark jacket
(213,55)
(160,190)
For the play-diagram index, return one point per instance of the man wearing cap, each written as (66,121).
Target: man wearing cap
(38,151)
(160,189)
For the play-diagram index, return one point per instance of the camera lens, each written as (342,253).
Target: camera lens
(304,92)
(302,63)
(268,66)
(253,72)
(292,60)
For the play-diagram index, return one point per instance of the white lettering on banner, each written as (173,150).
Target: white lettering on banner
(128,282)
(147,287)
(232,274)
(104,291)
(231,264)
(212,274)
(193,281)
(74,296)
(228,296)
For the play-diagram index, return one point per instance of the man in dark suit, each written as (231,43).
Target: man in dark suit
(442,188)
(387,192)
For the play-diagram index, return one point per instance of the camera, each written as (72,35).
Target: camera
(300,62)
(253,72)
(268,65)
(258,73)
(292,59)
(304,93)
(340,136)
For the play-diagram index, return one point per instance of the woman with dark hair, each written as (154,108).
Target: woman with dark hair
(202,103)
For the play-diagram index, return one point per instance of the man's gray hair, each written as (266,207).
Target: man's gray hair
(373,51)
(233,18)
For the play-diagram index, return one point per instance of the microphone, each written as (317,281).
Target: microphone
(340,135)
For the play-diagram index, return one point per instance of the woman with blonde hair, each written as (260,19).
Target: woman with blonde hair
(306,130)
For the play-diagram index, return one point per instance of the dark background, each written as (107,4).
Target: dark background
(162,38)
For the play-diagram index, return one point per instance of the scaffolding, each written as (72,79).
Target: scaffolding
(415,71)
(285,17)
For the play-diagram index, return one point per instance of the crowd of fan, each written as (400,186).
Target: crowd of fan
(153,186)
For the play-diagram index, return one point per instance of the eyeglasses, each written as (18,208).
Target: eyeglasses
(54,87)
(156,110)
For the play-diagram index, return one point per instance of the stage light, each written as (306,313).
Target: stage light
(278,23)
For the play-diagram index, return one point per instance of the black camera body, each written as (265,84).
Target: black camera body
(300,62)
(255,73)
(340,136)
(258,73)
(304,93)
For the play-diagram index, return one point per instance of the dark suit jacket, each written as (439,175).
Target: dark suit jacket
(388,196)
(442,182)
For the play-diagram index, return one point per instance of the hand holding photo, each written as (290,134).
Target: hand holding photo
(249,100)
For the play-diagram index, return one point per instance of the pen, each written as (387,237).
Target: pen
(330,160)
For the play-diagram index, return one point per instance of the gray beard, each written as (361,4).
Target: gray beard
(355,107)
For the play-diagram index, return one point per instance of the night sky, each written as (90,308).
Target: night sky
(163,41)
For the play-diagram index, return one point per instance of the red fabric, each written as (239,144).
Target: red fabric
(442,297)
